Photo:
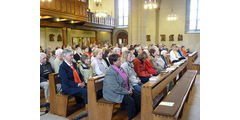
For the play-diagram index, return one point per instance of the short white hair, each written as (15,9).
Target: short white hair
(66,52)
(58,51)
(116,49)
(164,51)
(124,49)
(42,54)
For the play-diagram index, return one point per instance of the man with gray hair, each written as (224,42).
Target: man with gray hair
(58,61)
(45,70)
(72,81)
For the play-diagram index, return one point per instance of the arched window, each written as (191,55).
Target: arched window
(193,16)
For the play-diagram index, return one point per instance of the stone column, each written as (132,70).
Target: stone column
(69,36)
(137,22)
(64,36)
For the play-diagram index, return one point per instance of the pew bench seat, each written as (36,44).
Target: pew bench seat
(102,100)
(178,95)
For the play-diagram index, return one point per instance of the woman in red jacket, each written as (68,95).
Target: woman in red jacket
(140,68)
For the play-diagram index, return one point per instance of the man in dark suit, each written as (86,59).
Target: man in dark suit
(72,81)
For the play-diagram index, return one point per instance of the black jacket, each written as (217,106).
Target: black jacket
(45,70)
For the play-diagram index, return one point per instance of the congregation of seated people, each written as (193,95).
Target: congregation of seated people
(126,70)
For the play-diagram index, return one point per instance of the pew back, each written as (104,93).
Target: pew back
(99,108)
(58,102)
(151,91)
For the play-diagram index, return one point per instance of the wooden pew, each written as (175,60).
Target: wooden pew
(58,102)
(192,57)
(151,91)
(99,109)
(196,65)
(178,95)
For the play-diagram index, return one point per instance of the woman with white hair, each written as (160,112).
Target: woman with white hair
(164,57)
(58,61)
(71,78)
(98,64)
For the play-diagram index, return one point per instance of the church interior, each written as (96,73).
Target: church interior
(121,24)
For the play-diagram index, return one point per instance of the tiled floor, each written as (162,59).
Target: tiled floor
(191,110)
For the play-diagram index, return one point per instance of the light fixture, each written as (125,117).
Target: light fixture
(45,17)
(72,21)
(150,4)
(57,19)
(97,2)
(100,12)
(172,16)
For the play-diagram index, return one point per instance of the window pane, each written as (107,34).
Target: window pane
(122,12)
(125,20)
(192,25)
(125,7)
(193,4)
(198,25)
(193,14)
(120,20)
(120,8)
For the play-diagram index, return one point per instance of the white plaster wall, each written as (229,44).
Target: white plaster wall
(104,37)
(151,25)
(44,37)
(191,41)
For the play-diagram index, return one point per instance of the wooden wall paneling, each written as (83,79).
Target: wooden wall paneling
(77,8)
(72,6)
(69,6)
(52,5)
(58,5)
(84,10)
(42,4)
(64,9)
(81,10)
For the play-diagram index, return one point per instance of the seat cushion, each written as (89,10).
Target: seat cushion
(176,95)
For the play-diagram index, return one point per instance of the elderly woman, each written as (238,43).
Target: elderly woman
(86,68)
(98,64)
(116,87)
(128,69)
(71,78)
(164,57)
(58,61)
(156,61)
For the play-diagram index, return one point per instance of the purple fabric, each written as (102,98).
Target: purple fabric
(124,76)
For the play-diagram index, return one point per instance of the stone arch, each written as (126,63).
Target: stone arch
(116,33)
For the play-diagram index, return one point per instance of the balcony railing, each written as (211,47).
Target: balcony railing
(108,21)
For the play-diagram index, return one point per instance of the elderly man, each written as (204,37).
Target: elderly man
(58,61)
(45,70)
(72,81)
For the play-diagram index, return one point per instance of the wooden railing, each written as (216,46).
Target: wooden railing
(109,21)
